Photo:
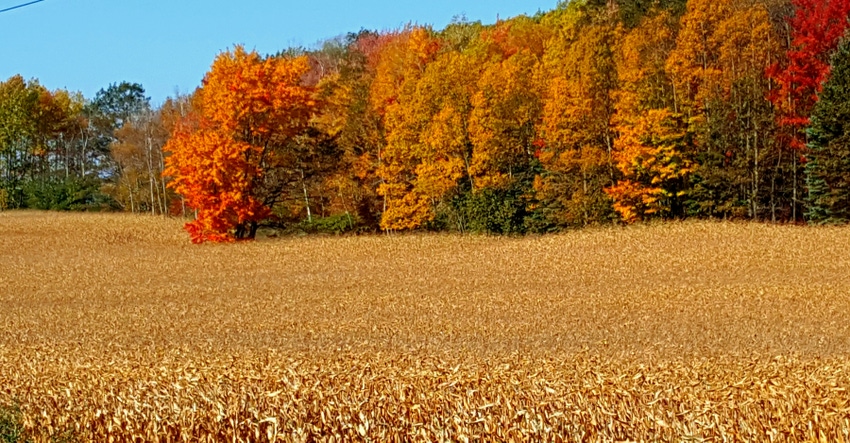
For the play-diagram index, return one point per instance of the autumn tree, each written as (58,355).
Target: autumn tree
(577,130)
(348,119)
(651,155)
(653,144)
(18,103)
(440,111)
(816,28)
(507,105)
(398,99)
(110,110)
(502,125)
(641,67)
(137,152)
(233,157)
(717,69)
(44,162)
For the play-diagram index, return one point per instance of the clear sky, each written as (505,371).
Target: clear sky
(84,45)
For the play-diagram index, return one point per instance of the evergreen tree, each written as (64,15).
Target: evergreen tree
(828,165)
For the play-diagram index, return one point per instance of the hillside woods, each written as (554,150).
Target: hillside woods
(592,113)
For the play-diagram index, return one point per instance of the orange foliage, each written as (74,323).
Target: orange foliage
(257,99)
(506,109)
(214,173)
(694,63)
(249,109)
(649,154)
(423,98)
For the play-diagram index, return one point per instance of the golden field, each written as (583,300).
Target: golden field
(115,328)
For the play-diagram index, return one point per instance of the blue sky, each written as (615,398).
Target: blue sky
(84,45)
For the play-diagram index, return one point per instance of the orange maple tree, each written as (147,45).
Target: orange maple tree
(224,155)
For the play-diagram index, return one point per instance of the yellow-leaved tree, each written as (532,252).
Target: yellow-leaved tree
(507,105)
(650,156)
(577,120)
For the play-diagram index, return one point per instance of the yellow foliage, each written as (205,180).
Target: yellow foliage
(428,145)
(721,41)
(409,211)
(506,108)
(565,113)
(336,99)
(693,64)
(649,155)
(644,81)
(747,43)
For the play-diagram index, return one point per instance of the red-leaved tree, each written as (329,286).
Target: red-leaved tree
(816,28)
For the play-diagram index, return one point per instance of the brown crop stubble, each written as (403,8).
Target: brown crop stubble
(115,329)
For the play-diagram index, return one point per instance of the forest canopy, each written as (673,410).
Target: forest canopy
(599,111)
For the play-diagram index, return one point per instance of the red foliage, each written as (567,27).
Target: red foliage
(371,44)
(507,38)
(817,27)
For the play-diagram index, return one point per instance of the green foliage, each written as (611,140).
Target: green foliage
(11,428)
(490,211)
(819,211)
(828,165)
(12,195)
(71,194)
(629,12)
(115,105)
(334,224)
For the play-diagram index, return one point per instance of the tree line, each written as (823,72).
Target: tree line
(599,111)
(61,151)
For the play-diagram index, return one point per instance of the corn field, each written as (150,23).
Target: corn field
(114,329)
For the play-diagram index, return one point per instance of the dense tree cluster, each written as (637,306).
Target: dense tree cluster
(595,112)
(61,151)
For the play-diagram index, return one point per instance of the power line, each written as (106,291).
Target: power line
(20,6)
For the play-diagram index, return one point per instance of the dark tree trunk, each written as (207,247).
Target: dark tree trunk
(240,231)
(246,231)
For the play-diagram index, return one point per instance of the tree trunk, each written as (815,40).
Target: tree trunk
(794,197)
(773,187)
(306,198)
(132,205)
(165,208)
(151,179)
(246,230)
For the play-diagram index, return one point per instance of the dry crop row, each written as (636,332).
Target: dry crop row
(271,397)
(115,328)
